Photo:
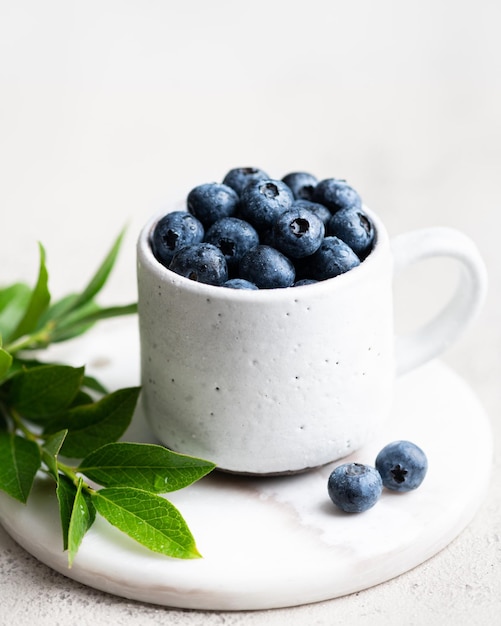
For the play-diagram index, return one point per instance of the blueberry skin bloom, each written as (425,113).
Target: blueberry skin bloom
(267,268)
(334,257)
(212,201)
(298,233)
(302,184)
(355,228)
(172,232)
(239,177)
(336,194)
(402,466)
(354,487)
(201,262)
(240,283)
(262,201)
(234,237)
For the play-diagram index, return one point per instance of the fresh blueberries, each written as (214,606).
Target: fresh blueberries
(172,232)
(234,237)
(355,228)
(239,177)
(240,283)
(402,466)
(267,268)
(262,201)
(201,262)
(212,201)
(298,233)
(301,184)
(334,257)
(354,487)
(336,194)
(320,210)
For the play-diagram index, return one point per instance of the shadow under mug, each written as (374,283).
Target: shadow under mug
(282,380)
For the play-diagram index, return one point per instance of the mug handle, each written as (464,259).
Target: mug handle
(439,333)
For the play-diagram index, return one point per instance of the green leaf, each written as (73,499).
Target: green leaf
(91,426)
(13,303)
(99,279)
(81,519)
(50,451)
(82,324)
(38,303)
(93,384)
(19,463)
(40,392)
(149,519)
(67,494)
(5,362)
(143,466)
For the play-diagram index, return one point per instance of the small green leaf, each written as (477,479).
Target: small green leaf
(5,362)
(38,303)
(91,426)
(94,385)
(13,303)
(67,494)
(149,519)
(19,462)
(143,466)
(50,451)
(81,520)
(40,392)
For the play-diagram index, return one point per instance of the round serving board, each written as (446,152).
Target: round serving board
(277,542)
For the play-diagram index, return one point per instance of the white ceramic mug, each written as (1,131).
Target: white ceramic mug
(282,380)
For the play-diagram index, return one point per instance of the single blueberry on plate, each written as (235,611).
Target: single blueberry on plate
(239,177)
(240,283)
(262,201)
(234,237)
(336,194)
(355,228)
(354,487)
(334,257)
(201,262)
(298,232)
(320,210)
(301,184)
(402,465)
(212,201)
(267,268)
(172,232)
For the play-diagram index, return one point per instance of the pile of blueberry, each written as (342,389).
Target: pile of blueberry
(355,487)
(255,232)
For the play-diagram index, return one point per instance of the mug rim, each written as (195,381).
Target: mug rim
(164,274)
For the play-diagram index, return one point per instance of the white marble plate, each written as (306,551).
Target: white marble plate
(279,542)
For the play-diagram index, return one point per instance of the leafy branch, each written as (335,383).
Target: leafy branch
(56,420)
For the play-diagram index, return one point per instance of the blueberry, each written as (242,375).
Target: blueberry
(305,281)
(355,228)
(301,184)
(320,210)
(336,194)
(402,466)
(201,262)
(298,232)
(267,268)
(354,487)
(234,237)
(212,201)
(239,177)
(262,201)
(172,232)
(334,257)
(240,283)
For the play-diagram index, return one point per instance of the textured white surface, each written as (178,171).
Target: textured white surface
(278,542)
(109,110)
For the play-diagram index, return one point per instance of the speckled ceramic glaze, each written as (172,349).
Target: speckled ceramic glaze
(283,380)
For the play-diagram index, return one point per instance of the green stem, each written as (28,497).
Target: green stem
(30,342)
(19,425)
(71,473)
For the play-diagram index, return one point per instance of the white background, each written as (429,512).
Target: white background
(111,109)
